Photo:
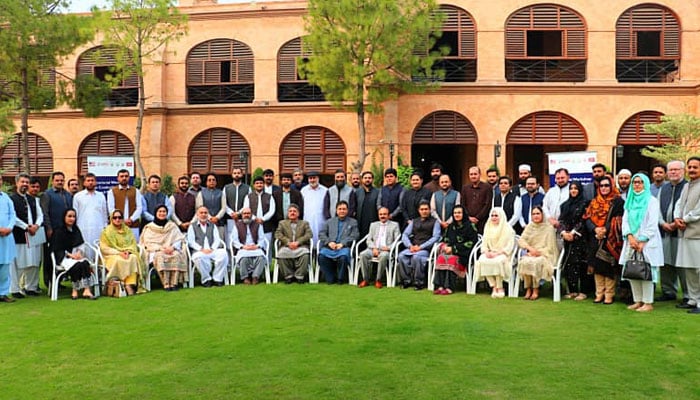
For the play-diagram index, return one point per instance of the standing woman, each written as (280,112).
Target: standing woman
(604,223)
(575,238)
(539,239)
(640,231)
(497,247)
(69,250)
(121,255)
(457,242)
(162,240)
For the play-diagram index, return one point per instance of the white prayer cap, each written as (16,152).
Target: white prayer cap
(624,171)
(524,167)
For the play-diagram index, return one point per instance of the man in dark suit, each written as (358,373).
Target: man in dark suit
(336,238)
(294,237)
(285,196)
(366,196)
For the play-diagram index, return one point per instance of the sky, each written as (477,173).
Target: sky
(86,5)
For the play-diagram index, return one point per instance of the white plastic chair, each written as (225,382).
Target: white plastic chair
(151,268)
(312,273)
(234,261)
(192,268)
(351,265)
(389,273)
(512,292)
(432,255)
(59,271)
(473,256)
(556,278)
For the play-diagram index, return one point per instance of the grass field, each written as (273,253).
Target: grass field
(341,342)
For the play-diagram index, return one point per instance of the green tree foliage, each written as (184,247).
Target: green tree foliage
(684,132)
(34,38)
(141,29)
(365,52)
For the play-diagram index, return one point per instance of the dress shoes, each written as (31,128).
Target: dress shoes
(207,284)
(694,311)
(17,295)
(685,306)
(378,285)
(666,297)
(363,284)
(33,293)
(5,299)
(218,284)
(289,281)
(405,285)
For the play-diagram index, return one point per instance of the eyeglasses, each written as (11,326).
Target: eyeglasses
(605,185)
(117,218)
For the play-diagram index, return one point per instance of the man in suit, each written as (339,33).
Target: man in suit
(336,239)
(294,237)
(285,196)
(366,195)
(418,237)
(382,234)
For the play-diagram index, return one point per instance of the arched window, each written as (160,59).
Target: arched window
(291,86)
(218,150)
(459,34)
(632,131)
(547,128)
(40,156)
(313,148)
(545,43)
(103,143)
(220,71)
(101,63)
(647,44)
(446,127)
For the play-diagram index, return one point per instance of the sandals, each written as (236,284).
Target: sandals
(571,295)
(580,297)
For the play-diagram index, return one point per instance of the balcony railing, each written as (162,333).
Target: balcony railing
(123,98)
(292,92)
(646,71)
(541,70)
(457,70)
(217,94)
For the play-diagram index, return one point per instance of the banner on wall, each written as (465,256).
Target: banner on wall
(578,163)
(105,169)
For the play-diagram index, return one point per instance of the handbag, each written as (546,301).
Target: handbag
(637,268)
(603,254)
(114,288)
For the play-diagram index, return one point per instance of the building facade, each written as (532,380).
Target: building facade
(529,77)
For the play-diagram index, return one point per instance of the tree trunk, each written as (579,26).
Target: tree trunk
(140,172)
(24,139)
(360,163)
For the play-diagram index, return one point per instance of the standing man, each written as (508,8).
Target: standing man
(247,239)
(509,200)
(591,189)
(73,186)
(152,199)
(284,197)
(418,238)
(128,200)
(658,178)
(444,201)
(668,197)
(339,191)
(263,207)
(7,244)
(28,253)
(182,202)
(412,196)
(269,177)
(624,179)
(382,235)
(336,238)
(524,172)
(477,197)
(366,196)
(314,194)
(196,183)
(203,237)
(235,194)
(54,201)
(294,236)
(90,211)
(298,179)
(390,196)
(556,196)
(34,187)
(355,180)
(530,199)
(492,179)
(687,219)
(213,199)
(435,174)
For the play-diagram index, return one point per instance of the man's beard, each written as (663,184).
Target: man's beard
(340,185)
(435,178)
(246,221)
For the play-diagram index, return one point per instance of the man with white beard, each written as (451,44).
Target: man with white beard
(90,211)
(247,239)
(313,195)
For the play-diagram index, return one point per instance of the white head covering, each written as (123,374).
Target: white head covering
(500,236)
(624,171)
(524,167)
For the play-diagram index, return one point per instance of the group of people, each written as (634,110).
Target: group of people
(598,226)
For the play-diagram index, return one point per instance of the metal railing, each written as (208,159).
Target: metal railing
(292,92)
(215,94)
(646,71)
(545,70)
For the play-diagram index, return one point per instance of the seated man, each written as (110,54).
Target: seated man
(294,236)
(203,238)
(418,237)
(381,235)
(336,237)
(248,238)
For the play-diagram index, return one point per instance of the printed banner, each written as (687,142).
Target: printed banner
(578,163)
(105,169)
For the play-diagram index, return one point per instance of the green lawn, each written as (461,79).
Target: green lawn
(327,342)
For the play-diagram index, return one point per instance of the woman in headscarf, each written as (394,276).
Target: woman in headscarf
(604,223)
(539,240)
(69,250)
(162,240)
(494,263)
(575,236)
(457,242)
(121,254)
(640,231)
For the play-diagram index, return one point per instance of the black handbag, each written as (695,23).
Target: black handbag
(637,268)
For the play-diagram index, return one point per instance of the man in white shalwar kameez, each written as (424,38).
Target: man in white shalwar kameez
(313,195)
(687,219)
(29,218)
(91,211)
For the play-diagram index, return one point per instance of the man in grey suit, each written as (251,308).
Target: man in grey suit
(294,237)
(382,234)
(336,239)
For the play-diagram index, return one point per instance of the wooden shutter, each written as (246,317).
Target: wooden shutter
(632,131)
(546,17)
(458,20)
(204,62)
(313,148)
(446,127)
(647,17)
(102,56)
(40,156)
(547,128)
(217,150)
(103,143)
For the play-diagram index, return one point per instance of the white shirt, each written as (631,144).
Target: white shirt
(553,200)
(91,214)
